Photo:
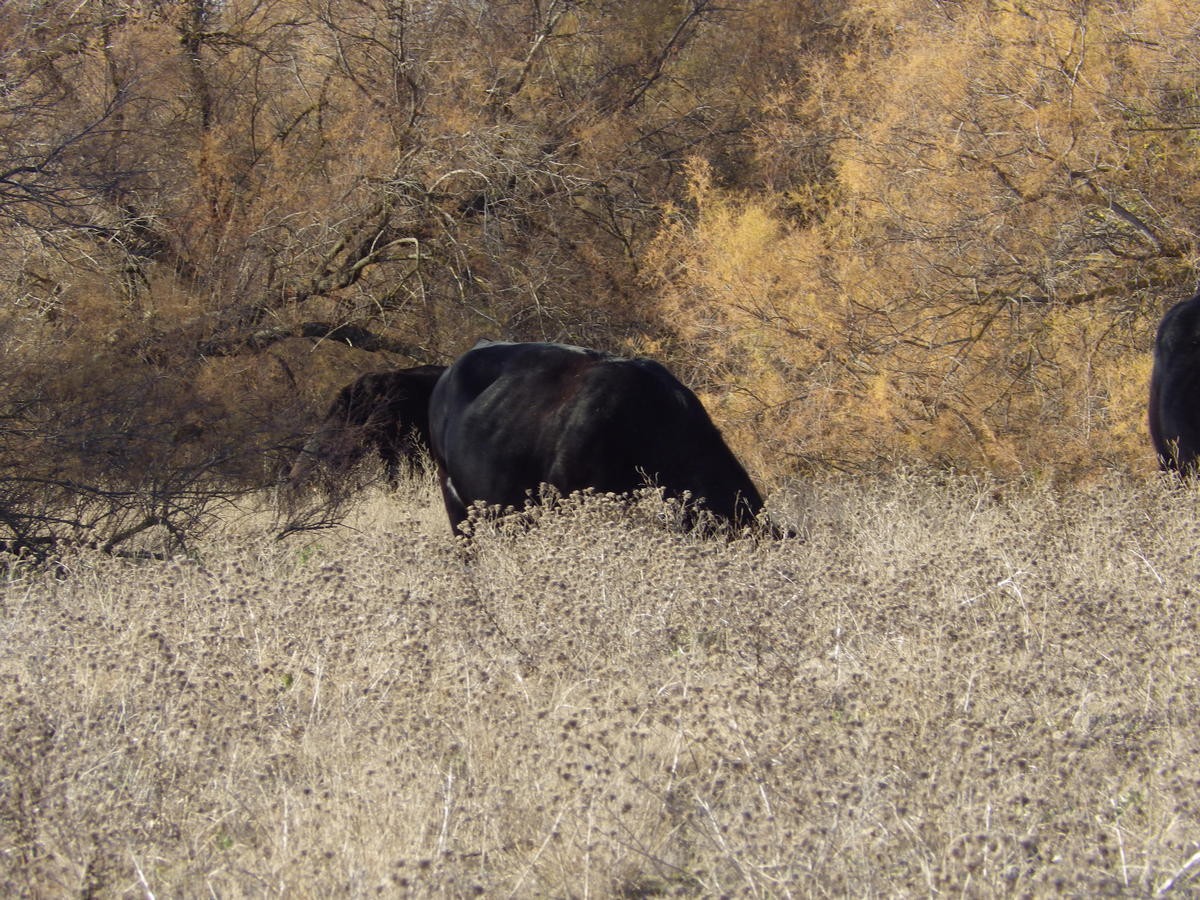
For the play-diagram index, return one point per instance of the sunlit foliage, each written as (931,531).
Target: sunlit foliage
(867,233)
(1007,207)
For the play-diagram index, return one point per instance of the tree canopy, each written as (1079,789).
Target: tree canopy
(869,234)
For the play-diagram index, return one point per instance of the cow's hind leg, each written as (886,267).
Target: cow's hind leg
(455,508)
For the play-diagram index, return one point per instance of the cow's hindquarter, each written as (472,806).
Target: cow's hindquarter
(483,427)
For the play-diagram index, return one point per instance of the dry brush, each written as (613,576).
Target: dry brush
(943,685)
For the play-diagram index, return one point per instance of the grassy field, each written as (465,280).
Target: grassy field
(941,687)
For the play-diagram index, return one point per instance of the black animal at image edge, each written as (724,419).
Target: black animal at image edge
(1175,388)
(506,418)
(385,410)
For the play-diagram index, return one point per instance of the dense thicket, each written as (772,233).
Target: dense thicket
(900,232)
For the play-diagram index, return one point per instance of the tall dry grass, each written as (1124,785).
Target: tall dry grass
(944,686)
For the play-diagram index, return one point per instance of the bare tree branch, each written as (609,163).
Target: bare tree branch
(351,335)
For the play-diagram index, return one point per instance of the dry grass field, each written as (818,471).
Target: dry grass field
(942,687)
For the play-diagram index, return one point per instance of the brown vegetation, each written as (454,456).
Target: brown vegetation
(868,234)
(974,278)
(946,687)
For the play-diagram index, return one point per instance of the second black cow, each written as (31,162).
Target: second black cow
(1175,388)
(507,418)
(387,411)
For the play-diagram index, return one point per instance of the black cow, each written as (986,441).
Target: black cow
(507,418)
(1175,388)
(387,410)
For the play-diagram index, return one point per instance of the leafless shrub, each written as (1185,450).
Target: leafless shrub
(98,449)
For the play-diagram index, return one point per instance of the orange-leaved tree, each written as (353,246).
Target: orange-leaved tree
(973,276)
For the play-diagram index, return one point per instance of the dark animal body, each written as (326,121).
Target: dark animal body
(1175,388)
(385,410)
(508,418)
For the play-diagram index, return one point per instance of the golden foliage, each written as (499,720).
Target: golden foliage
(887,232)
(996,240)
